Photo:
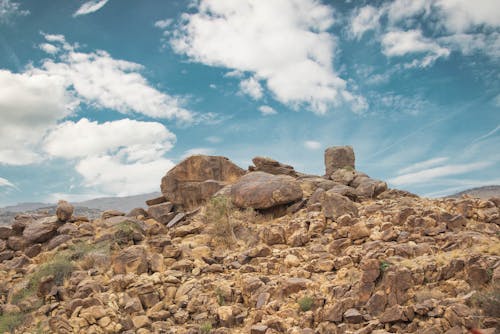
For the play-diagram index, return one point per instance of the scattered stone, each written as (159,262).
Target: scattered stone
(271,166)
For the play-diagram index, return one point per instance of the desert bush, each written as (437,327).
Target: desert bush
(221,300)
(219,215)
(206,327)
(488,300)
(384,265)
(10,321)
(305,303)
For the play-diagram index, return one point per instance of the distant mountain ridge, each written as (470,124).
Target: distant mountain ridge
(125,203)
(484,192)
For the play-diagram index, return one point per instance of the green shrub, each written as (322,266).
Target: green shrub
(305,303)
(221,300)
(219,215)
(384,265)
(206,327)
(9,321)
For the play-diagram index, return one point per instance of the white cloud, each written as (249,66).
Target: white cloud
(423,165)
(198,150)
(213,86)
(30,104)
(251,87)
(130,140)
(312,144)
(6,183)
(98,79)
(486,135)
(431,174)
(123,157)
(403,9)
(90,7)
(463,15)
(284,43)
(364,19)
(10,9)
(112,176)
(162,24)
(401,43)
(49,48)
(469,44)
(267,110)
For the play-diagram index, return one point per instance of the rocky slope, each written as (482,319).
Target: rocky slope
(269,250)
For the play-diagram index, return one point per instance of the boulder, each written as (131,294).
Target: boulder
(131,260)
(369,188)
(335,205)
(64,211)
(338,157)
(161,212)
(197,178)
(261,190)
(271,166)
(41,230)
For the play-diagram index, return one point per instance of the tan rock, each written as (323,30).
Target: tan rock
(64,211)
(261,190)
(335,205)
(272,166)
(141,321)
(131,260)
(197,178)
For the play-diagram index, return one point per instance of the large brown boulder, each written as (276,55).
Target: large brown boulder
(131,260)
(261,190)
(41,230)
(337,157)
(197,178)
(271,166)
(335,205)
(64,211)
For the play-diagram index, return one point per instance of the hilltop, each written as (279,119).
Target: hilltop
(263,250)
(480,192)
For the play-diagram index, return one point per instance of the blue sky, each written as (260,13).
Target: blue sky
(102,97)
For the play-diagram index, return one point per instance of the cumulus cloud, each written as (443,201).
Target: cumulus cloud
(30,105)
(10,9)
(162,24)
(267,110)
(123,157)
(113,176)
(401,43)
(312,144)
(284,43)
(90,7)
(251,87)
(99,79)
(453,25)
(49,48)
(364,19)
(34,101)
(129,139)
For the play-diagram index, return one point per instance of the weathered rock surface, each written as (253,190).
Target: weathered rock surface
(41,230)
(64,211)
(197,178)
(261,190)
(339,157)
(271,166)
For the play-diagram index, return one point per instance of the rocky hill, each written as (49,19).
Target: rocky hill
(480,192)
(264,250)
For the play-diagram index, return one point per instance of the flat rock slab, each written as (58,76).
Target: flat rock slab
(41,230)
(261,190)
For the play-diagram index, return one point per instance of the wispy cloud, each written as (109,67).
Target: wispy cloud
(423,165)
(267,110)
(6,183)
(90,7)
(430,174)
(198,150)
(9,10)
(487,135)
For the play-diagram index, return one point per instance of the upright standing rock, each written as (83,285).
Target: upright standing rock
(337,157)
(64,211)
